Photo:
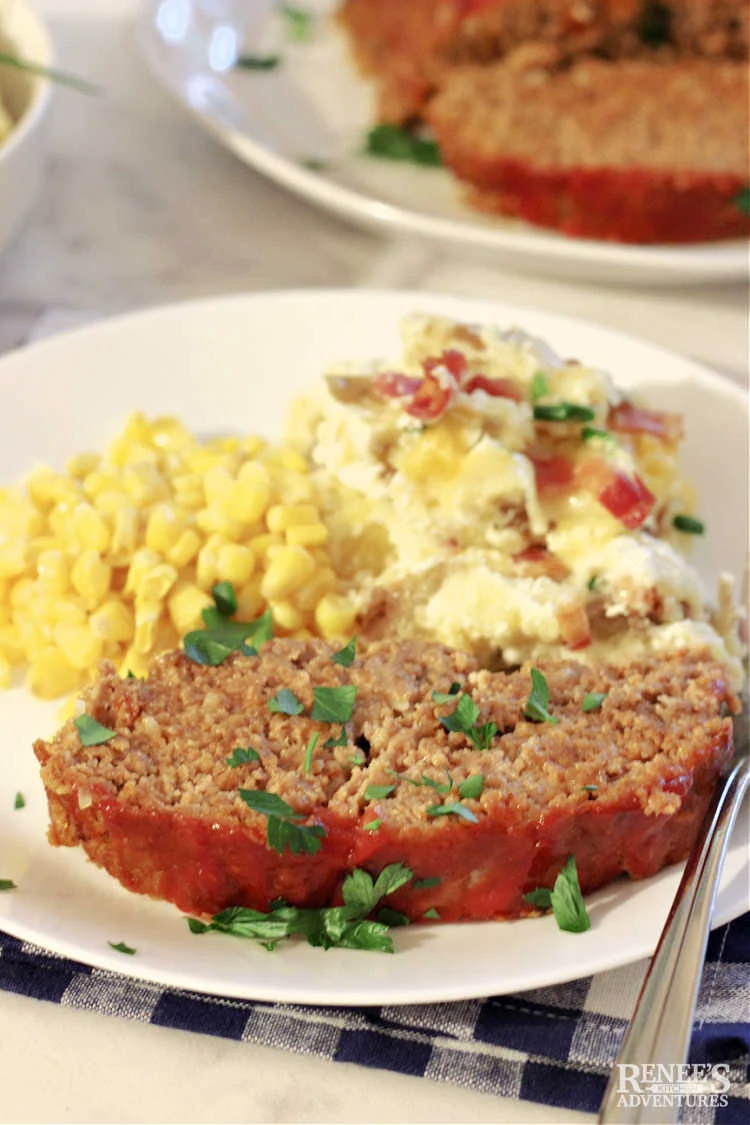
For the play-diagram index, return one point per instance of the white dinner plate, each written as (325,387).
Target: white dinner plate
(233,364)
(314,106)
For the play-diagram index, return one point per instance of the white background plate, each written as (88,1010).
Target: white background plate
(232,364)
(314,105)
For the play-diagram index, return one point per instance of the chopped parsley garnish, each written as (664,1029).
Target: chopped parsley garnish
(590,788)
(358,758)
(60,77)
(539,386)
(392,142)
(333,704)
(241,755)
(564,412)
(283,830)
(423,884)
(447,696)
(689,525)
(298,21)
(307,765)
(565,899)
(591,584)
(121,947)
(347,654)
(285,702)
(431,913)
(90,732)
(536,709)
(389,917)
(222,636)
(342,740)
(377,792)
(655,25)
(589,433)
(8,885)
(593,700)
(472,787)
(314,164)
(742,201)
(464,718)
(372,825)
(455,808)
(19,801)
(257,62)
(343,926)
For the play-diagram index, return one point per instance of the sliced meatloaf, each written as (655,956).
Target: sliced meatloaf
(623,788)
(637,151)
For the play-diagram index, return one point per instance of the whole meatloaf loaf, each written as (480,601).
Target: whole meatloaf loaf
(622,787)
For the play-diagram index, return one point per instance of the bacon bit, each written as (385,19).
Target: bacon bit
(625,418)
(430,400)
(575,629)
(628,499)
(453,361)
(497,388)
(537,561)
(553,474)
(394,384)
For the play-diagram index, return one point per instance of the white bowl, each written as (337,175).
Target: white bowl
(27,97)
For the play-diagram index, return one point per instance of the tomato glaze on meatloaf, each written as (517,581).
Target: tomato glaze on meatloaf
(622,788)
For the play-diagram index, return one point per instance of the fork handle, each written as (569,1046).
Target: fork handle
(662,1022)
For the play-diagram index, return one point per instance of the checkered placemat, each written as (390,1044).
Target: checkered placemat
(554,1046)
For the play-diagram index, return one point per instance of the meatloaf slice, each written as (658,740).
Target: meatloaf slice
(623,788)
(635,151)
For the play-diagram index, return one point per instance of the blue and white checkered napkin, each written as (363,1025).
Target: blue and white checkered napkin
(553,1046)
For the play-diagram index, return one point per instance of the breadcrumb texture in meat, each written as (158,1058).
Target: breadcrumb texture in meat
(623,788)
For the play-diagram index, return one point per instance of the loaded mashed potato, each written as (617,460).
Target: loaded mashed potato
(490,495)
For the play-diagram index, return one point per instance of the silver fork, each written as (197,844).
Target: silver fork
(662,1022)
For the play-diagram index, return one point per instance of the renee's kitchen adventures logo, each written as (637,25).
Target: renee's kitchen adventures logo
(672,1084)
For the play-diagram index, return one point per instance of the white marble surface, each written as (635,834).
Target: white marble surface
(139,207)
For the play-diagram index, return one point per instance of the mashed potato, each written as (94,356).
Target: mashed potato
(490,495)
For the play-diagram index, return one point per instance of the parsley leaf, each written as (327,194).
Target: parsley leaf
(121,947)
(332,742)
(19,801)
(257,62)
(482,736)
(283,830)
(347,654)
(688,524)
(224,598)
(423,884)
(539,386)
(307,764)
(589,433)
(564,412)
(221,636)
(464,719)
(565,899)
(90,732)
(372,825)
(593,700)
(241,755)
(299,22)
(438,786)
(431,913)
(538,701)
(333,704)
(392,142)
(742,201)
(447,696)
(472,787)
(285,702)
(376,792)
(455,808)
(8,885)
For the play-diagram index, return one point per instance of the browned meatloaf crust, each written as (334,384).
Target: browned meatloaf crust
(623,789)
(659,154)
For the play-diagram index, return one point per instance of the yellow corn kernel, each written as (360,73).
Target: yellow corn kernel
(52,571)
(143,562)
(287,459)
(280,517)
(215,521)
(50,674)
(56,609)
(46,487)
(147,614)
(262,544)
(249,494)
(144,484)
(288,569)
(99,481)
(82,464)
(307,535)
(155,584)
(6,672)
(68,709)
(185,604)
(322,582)
(206,566)
(234,563)
(169,434)
(334,615)
(250,602)
(134,662)
(113,621)
(22,593)
(124,530)
(188,490)
(91,576)
(252,445)
(10,644)
(164,526)
(217,483)
(185,548)
(81,648)
(89,529)
(13,558)
(286,615)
